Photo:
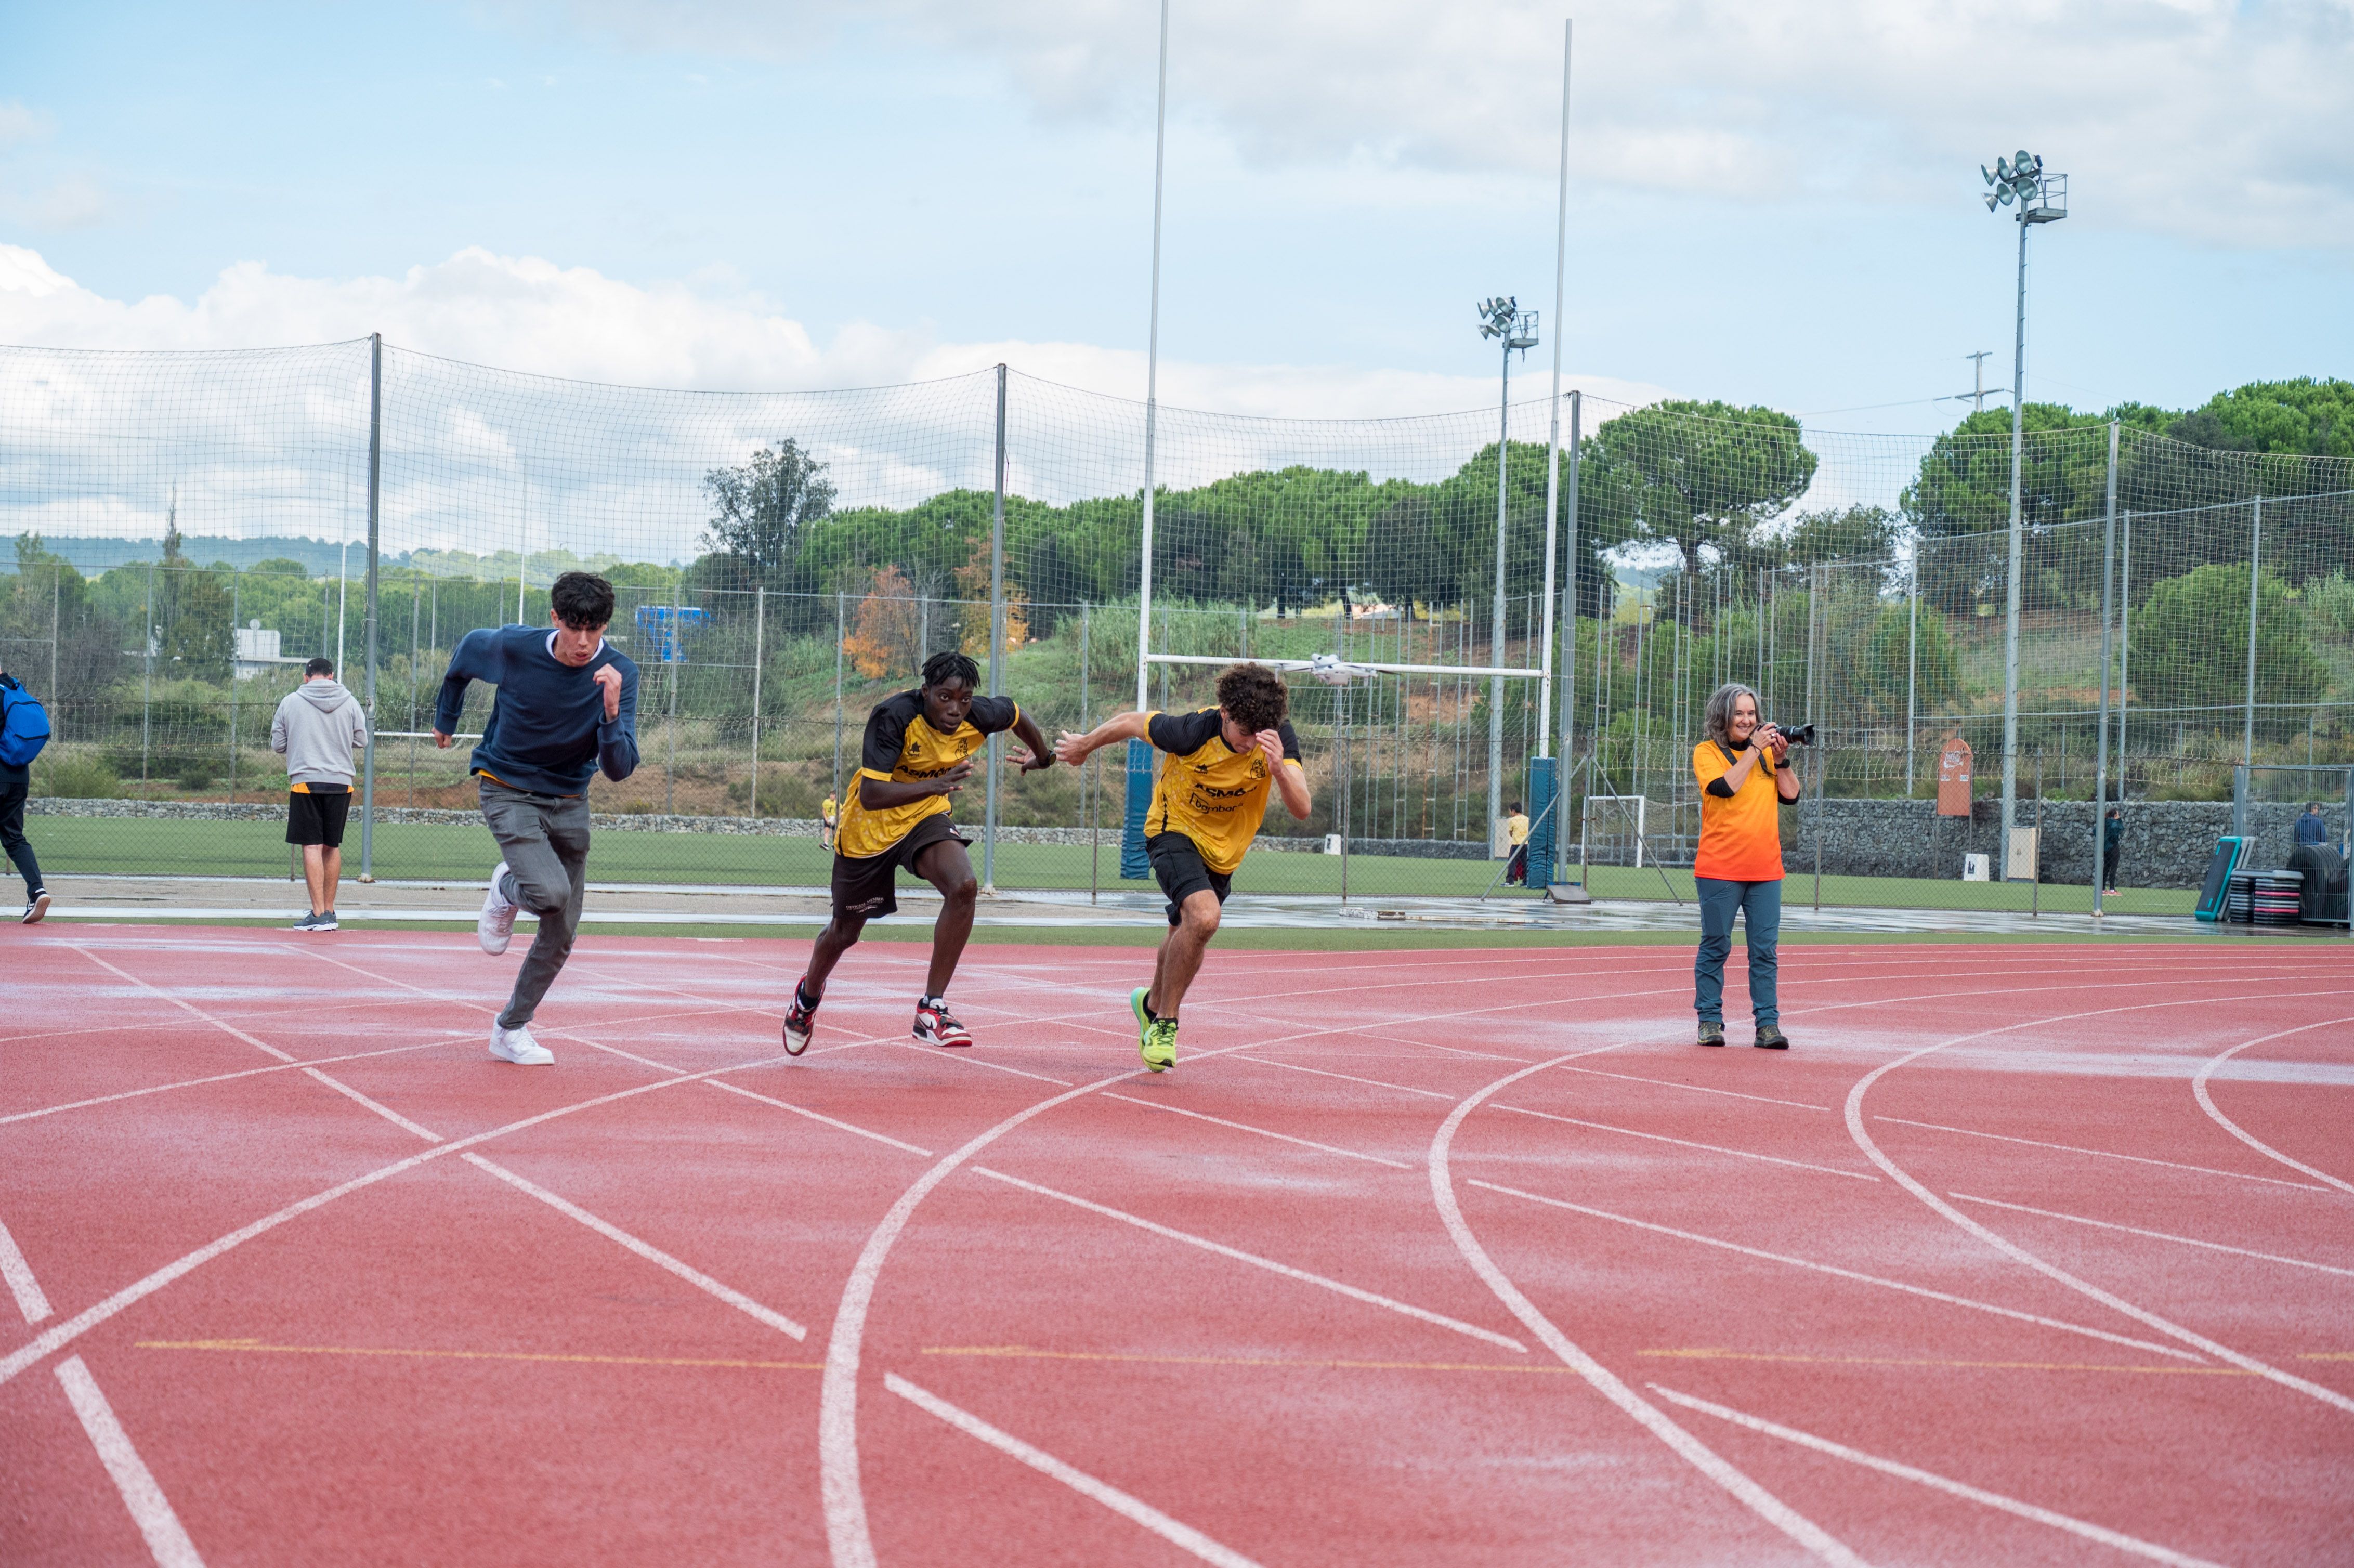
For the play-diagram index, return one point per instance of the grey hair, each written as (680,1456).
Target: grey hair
(1717,723)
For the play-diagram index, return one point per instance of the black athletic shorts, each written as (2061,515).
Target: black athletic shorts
(866,886)
(317,819)
(1177,861)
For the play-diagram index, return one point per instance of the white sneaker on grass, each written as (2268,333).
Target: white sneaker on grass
(516,1045)
(494,926)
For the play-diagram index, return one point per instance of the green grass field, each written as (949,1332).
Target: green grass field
(145,846)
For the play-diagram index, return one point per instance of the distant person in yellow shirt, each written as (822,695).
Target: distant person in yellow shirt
(825,824)
(1207,805)
(1738,869)
(1516,830)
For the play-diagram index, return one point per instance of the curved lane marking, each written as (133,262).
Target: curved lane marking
(2052,1271)
(2199,1087)
(1764,1504)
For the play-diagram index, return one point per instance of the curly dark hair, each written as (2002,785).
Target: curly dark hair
(1253,696)
(582,600)
(951,666)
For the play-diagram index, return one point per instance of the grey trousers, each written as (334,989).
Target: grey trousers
(545,839)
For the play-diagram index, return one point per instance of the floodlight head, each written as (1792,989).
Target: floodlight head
(2025,161)
(2008,193)
(2002,170)
(1990,201)
(1987,173)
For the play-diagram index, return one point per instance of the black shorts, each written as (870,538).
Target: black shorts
(1177,861)
(867,887)
(317,819)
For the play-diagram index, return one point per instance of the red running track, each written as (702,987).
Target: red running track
(2025,1254)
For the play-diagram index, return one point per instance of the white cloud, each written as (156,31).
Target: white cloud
(20,125)
(77,201)
(529,314)
(2207,118)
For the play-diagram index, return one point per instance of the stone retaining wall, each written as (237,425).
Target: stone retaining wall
(2166,843)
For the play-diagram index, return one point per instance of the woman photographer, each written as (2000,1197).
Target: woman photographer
(1740,766)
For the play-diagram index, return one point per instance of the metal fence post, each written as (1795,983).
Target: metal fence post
(2035,862)
(147,673)
(840,631)
(233,586)
(2101,763)
(675,650)
(1087,770)
(374,487)
(2255,579)
(759,647)
(996,646)
(1913,666)
(1569,651)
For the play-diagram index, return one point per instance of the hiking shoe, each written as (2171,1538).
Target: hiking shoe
(1711,1031)
(1771,1038)
(325,922)
(801,1019)
(38,907)
(494,926)
(516,1045)
(1158,1046)
(936,1026)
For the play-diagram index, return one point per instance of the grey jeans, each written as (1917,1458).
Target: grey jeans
(545,839)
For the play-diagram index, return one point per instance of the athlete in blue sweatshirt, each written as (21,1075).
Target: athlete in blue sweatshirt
(568,705)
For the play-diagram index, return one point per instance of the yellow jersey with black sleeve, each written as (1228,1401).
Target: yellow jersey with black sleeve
(901,747)
(1208,791)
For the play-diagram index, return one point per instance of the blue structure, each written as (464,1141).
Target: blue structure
(665,627)
(1135,866)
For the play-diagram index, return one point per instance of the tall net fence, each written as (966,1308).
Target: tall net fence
(189,528)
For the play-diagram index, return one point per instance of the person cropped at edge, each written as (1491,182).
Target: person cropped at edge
(1738,870)
(566,708)
(2112,840)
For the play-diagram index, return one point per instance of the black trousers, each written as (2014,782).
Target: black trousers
(12,835)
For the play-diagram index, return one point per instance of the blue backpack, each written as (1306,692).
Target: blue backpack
(23,724)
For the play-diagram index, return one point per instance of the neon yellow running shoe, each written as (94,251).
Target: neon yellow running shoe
(1160,1045)
(1136,1005)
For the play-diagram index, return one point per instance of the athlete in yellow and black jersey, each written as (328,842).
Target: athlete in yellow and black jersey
(1222,763)
(918,751)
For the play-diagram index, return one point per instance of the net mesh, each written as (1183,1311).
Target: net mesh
(784,560)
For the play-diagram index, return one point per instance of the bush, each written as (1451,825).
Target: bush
(2330,602)
(75,778)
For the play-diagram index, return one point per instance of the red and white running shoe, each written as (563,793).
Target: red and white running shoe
(801,1020)
(936,1026)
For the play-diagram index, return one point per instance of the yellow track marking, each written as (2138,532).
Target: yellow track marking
(258,1346)
(1718,1355)
(1025,1352)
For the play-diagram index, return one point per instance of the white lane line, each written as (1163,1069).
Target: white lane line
(2012,1250)
(1256,1261)
(21,1283)
(970,1060)
(90,1317)
(229,1029)
(653,1254)
(1601,1379)
(2090,1531)
(149,1509)
(387,1112)
(1688,1143)
(2100,1153)
(224,1077)
(2207,1104)
(1263,1132)
(820,1117)
(1183,1536)
(2155,1236)
(1697,1088)
(1830,1268)
(1321,1073)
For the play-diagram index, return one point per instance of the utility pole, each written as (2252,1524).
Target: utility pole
(1503,320)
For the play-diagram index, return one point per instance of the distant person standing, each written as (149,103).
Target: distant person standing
(2113,837)
(827,819)
(317,727)
(24,730)
(567,706)
(2310,827)
(1516,833)
(1738,869)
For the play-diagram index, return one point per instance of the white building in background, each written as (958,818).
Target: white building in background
(257,650)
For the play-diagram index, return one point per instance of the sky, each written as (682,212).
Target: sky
(1770,201)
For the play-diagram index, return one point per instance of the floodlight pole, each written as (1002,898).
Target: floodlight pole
(1496,631)
(1152,372)
(2101,768)
(1553,437)
(2010,607)
(375,491)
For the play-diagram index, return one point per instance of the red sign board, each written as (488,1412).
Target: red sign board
(1953,777)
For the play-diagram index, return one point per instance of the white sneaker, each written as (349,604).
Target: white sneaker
(516,1045)
(496,925)
(37,908)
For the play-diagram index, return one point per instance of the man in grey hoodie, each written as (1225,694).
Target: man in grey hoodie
(318,726)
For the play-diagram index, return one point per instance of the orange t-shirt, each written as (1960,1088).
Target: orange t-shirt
(1740,837)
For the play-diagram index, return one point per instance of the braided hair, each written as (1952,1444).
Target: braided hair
(952,666)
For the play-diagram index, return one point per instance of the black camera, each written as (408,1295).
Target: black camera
(1797,734)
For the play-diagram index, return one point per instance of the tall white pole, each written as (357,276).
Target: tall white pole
(2010,621)
(1553,437)
(1152,367)
(1496,631)
(2101,763)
